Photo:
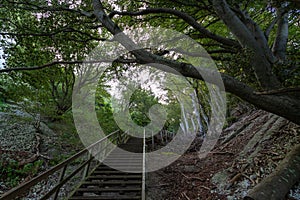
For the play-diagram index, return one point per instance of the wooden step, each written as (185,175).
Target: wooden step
(123,163)
(121,197)
(121,157)
(113,189)
(111,183)
(108,183)
(110,172)
(112,177)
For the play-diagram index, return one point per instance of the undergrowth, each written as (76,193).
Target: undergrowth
(12,173)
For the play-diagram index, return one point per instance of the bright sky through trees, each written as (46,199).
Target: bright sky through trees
(1,59)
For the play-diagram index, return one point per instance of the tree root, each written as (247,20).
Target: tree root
(36,147)
(278,184)
(196,178)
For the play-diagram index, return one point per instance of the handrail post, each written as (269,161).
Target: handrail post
(144,167)
(152,138)
(104,150)
(61,177)
(98,153)
(119,138)
(87,167)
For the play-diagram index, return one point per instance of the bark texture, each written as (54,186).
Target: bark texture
(280,44)
(278,184)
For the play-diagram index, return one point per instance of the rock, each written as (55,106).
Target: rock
(190,169)
(253,176)
(221,180)
(295,192)
(45,130)
(21,132)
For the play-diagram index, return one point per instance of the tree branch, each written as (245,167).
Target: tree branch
(270,27)
(32,6)
(39,67)
(65,30)
(120,60)
(280,44)
(257,33)
(253,39)
(267,102)
(186,3)
(187,18)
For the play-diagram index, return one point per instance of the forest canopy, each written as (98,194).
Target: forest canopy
(255,45)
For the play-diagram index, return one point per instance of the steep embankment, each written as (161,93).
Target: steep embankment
(25,145)
(247,152)
(28,147)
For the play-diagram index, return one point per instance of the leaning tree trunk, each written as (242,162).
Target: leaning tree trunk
(278,184)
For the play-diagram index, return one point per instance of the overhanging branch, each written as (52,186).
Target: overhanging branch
(119,60)
(187,18)
(39,67)
(267,102)
(66,30)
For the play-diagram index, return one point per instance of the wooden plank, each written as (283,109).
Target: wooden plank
(116,190)
(111,183)
(111,177)
(123,197)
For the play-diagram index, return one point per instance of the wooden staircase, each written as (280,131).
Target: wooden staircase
(108,183)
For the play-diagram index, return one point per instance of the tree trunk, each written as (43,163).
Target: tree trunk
(280,44)
(253,39)
(278,184)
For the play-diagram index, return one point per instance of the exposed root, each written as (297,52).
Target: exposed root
(37,154)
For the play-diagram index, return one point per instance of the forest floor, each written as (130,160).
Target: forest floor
(247,151)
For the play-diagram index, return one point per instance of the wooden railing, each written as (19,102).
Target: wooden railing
(100,149)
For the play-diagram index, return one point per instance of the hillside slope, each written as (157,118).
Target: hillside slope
(247,152)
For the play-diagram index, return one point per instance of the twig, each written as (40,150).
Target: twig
(29,160)
(248,177)
(185,196)
(221,152)
(45,157)
(200,179)
(235,178)
(202,186)
(273,153)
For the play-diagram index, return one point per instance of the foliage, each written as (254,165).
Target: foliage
(3,106)
(104,110)
(68,139)
(140,103)
(173,116)
(49,89)
(12,173)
